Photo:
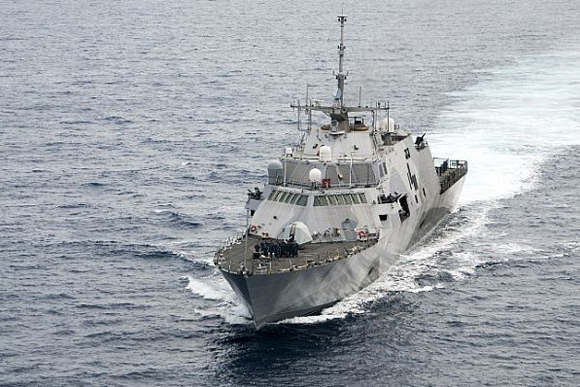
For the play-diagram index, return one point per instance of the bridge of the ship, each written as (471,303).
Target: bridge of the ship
(241,256)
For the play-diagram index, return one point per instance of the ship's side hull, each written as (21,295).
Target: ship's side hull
(442,207)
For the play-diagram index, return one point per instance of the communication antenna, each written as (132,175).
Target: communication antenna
(389,116)
(341,76)
(308,111)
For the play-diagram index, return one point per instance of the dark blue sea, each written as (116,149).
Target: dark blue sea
(130,131)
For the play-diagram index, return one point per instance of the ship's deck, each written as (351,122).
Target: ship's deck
(236,258)
(450,172)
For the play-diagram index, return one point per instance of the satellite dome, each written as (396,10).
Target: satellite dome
(325,153)
(388,124)
(315,175)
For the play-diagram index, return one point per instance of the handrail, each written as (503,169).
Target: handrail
(450,172)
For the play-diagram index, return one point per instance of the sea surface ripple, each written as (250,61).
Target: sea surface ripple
(131,130)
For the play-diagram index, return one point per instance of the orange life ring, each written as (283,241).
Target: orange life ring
(253,228)
(362,234)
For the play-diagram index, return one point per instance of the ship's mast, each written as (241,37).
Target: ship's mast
(339,112)
(341,76)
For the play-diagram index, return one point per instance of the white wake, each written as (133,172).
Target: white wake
(506,126)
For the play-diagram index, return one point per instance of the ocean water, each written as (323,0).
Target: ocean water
(131,130)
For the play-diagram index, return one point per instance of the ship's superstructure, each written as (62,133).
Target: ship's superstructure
(337,209)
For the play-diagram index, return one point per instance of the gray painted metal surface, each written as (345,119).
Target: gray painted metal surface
(362,192)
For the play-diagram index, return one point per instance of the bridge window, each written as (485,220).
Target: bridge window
(347,199)
(320,201)
(339,199)
(288,197)
(362,197)
(302,200)
(294,199)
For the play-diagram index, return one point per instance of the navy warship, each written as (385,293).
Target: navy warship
(338,208)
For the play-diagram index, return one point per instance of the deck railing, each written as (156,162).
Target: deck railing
(450,172)
(234,263)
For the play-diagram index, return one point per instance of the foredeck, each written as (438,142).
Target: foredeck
(236,258)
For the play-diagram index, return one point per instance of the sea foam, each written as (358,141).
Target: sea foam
(507,125)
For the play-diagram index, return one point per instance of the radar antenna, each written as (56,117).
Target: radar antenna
(341,76)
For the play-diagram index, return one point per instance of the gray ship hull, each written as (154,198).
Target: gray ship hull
(277,296)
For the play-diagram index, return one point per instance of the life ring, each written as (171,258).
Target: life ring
(253,228)
(362,234)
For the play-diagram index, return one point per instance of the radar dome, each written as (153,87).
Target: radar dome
(275,172)
(388,124)
(315,175)
(325,153)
